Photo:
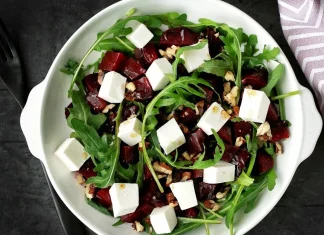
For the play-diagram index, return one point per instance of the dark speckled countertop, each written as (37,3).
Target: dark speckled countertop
(40,28)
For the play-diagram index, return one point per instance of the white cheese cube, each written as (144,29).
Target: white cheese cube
(113,87)
(220,173)
(72,155)
(140,35)
(194,58)
(170,136)
(185,194)
(124,198)
(254,106)
(163,219)
(214,118)
(130,131)
(157,73)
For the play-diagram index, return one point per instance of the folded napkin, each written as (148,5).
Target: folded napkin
(303,26)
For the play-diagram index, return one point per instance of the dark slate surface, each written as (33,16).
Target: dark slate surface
(40,28)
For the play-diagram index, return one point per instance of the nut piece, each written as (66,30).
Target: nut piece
(168,180)
(229,76)
(227,88)
(161,176)
(162,168)
(138,227)
(236,111)
(171,200)
(221,195)
(89,191)
(183,128)
(217,34)
(264,132)
(79,178)
(225,114)
(212,205)
(185,176)
(108,107)
(199,107)
(130,86)
(279,149)
(101,75)
(186,156)
(231,97)
(170,52)
(239,141)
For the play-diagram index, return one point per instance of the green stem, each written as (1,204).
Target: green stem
(234,204)
(210,211)
(254,125)
(125,44)
(278,97)
(200,221)
(204,218)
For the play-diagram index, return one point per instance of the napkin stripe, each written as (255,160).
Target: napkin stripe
(303,26)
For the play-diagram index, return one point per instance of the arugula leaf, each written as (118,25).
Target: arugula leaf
(269,148)
(274,78)
(219,66)
(118,223)
(140,170)
(218,152)
(282,109)
(244,179)
(125,174)
(272,176)
(250,47)
(257,60)
(98,207)
(81,111)
(114,44)
(70,67)
(283,96)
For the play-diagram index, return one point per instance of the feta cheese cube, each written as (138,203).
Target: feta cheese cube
(254,106)
(163,219)
(185,194)
(194,58)
(124,198)
(130,131)
(113,87)
(220,173)
(140,35)
(214,118)
(170,136)
(157,73)
(72,155)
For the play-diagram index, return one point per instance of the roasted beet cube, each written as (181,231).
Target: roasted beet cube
(241,129)
(188,116)
(279,131)
(197,174)
(147,173)
(196,141)
(142,92)
(91,82)
(112,61)
(132,69)
(191,212)
(230,152)
(109,125)
(179,37)
(263,162)
(128,154)
(239,160)
(209,94)
(147,54)
(103,197)
(151,194)
(86,169)
(141,212)
(225,134)
(67,111)
(215,81)
(272,114)
(257,78)
(129,110)
(96,103)
(206,191)
(214,43)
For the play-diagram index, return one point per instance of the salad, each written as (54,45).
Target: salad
(176,128)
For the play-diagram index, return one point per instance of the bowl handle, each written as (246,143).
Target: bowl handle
(313,123)
(30,120)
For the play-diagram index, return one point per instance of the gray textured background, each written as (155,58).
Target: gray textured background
(40,28)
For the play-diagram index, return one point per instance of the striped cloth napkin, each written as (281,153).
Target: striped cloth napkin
(303,26)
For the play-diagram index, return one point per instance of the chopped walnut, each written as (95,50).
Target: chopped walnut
(79,178)
(186,156)
(89,191)
(239,141)
(170,52)
(186,176)
(264,132)
(161,176)
(168,180)
(138,227)
(130,86)
(184,129)
(221,195)
(227,88)
(212,205)
(236,111)
(199,107)
(229,76)
(231,97)
(279,149)
(171,200)
(101,75)
(162,168)
(217,35)
(108,107)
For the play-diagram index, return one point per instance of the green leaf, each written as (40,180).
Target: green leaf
(70,67)
(283,96)
(282,109)
(244,179)
(250,47)
(274,78)
(219,66)
(270,149)
(98,207)
(218,152)
(140,170)
(113,44)
(272,176)
(118,223)
(257,60)
(126,175)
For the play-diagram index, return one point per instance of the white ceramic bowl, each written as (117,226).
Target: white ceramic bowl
(45,127)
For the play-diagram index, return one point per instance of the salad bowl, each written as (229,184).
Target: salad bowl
(45,128)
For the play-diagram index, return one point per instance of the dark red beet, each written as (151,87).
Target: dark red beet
(91,82)
(263,162)
(209,94)
(230,152)
(95,102)
(112,61)
(197,174)
(241,129)
(147,173)
(279,131)
(86,169)
(188,116)
(239,160)
(214,43)
(132,69)
(109,125)
(129,111)
(67,111)
(257,78)
(142,92)
(206,191)
(151,194)
(147,54)
(179,37)
(128,154)
(142,211)
(191,212)
(103,197)
(196,141)
(272,114)
(225,134)
(215,81)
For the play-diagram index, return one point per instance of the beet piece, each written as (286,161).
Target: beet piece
(206,191)
(214,43)
(103,197)
(129,111)
(279,131)
(241,129)
(128,154)
(152,194)
(191,212)
(132,69)
(147,173)
(225,134)
(95,102)
(86,169)
(142,92)
(179,37)
(272,114)
(196,141)
(147,54)
(263,162)
(188,116)
(142,211)
(109,125)
(112,61)
(239,160)
(257,78)
(67,111)
(91,82)
(230,152)
(197,174)
(209,94)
